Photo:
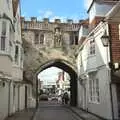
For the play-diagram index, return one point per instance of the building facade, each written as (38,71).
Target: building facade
(97,92)
(43,34)
(62,83)
(12,87)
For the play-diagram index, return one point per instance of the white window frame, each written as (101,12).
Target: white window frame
(11,38)
(16,59)
(92,47)
(94,90)
(3,48)
(21,57)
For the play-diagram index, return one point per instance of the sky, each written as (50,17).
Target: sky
(49,75)
(63,9)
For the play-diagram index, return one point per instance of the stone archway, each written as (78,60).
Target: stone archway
(67,67)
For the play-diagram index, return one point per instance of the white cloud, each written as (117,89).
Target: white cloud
(24,14)
(63,19)
(50,14)
(45,14)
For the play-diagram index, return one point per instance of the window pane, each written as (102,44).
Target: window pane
(3,43)
(90,89)
(3,28)
(92,47)
(97,90)
(16,53)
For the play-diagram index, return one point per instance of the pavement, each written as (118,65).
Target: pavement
(83,114)
(51,110)
(26,114)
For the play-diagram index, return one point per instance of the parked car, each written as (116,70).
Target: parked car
(43,97)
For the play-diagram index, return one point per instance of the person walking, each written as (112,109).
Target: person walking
(65,98)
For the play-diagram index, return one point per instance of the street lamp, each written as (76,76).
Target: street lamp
(105,39)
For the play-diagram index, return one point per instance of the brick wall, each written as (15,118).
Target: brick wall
(115,42)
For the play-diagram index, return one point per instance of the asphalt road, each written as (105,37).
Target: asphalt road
(54,111)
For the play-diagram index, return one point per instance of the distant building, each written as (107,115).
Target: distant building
(62,83)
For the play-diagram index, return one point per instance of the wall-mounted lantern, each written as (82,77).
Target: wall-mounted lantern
(105,39)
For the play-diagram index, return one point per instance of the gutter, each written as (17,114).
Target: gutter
(113,11)
(9,97)
(111,73)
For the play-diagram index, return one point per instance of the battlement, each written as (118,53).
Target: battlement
(46,20)
(45,24)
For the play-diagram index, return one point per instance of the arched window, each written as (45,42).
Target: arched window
(36,41)
(42,39)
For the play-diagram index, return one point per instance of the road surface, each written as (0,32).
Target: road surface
(53,111)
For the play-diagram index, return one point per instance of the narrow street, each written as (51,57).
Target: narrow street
(54,111)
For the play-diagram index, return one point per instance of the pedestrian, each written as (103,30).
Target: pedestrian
(59,99)
(65,98)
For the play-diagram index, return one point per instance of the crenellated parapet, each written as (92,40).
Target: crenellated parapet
(45,24)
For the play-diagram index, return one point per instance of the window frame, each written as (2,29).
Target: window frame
(92,47)
(3,35)
(16,56)
(94,90)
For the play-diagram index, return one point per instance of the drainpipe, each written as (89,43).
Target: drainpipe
(36,92)
(111,73)
(18,97)
(9,90)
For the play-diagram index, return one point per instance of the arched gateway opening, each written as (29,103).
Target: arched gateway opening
(67,67)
